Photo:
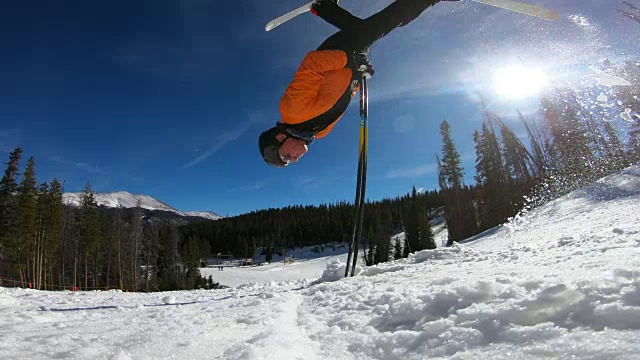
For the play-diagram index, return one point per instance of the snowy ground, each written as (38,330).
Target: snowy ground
(307,263)
(562,282)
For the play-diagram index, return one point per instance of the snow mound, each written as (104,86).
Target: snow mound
(169,300)
(335,271)
(623,184)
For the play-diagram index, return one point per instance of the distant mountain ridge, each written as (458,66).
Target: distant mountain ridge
(124,199)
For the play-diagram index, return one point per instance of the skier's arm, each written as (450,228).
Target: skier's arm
(335,15)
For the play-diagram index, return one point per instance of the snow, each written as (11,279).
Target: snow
(561,281)
(124,199)
(306,264)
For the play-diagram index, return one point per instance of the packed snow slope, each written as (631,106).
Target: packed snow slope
(124,199)
(561,282)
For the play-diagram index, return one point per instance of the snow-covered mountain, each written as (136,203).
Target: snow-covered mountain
(124,199)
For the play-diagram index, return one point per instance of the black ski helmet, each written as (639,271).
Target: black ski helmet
(269,146)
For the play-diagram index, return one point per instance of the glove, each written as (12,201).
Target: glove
(362,63)
(321,7)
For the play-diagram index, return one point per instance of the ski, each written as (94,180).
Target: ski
(523,8)
(288,16)
(511,5)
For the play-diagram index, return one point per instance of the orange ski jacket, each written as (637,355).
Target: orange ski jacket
(319,93)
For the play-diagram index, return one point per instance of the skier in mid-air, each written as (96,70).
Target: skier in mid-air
(328,77)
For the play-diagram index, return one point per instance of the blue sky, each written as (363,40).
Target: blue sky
(167,98)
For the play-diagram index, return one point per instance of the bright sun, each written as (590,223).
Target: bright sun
(519,82)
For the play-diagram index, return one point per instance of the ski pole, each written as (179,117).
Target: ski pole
(361,181)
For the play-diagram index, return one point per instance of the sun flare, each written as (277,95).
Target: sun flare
(519,82)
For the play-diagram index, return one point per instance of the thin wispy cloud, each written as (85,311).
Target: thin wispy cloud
(219,142)
(79,165)
(312,183)
(306,180)
(250,187)
(137,180)
(104,176)
(413,172)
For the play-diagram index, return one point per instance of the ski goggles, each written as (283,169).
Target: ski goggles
(270,148)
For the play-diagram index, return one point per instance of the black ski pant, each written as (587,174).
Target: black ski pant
(357,35)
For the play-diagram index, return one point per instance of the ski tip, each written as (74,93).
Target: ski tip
(552,16)
(556,16)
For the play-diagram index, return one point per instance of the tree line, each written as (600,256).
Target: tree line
(276,231)
(46,244)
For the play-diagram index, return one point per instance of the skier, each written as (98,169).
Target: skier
(327,78)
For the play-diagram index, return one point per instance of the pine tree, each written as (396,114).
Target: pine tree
(135,244)
(397,250)
(459,210)
(411,231)
(615,156)
(483,203)
(570,140)
(516,157)
(269,253)
(253,247)
(244,248)
(9,214)
(169,258)
(425,232)
(406,249)
(499,182)
(150,252)
(490,177)
(89,234)
(481,166)
(191,261)
(537,139)
(42,235)
(451,169)
(54,229)
(519,179)
(382,237)
(27,208)
(68,247)
(369,254)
